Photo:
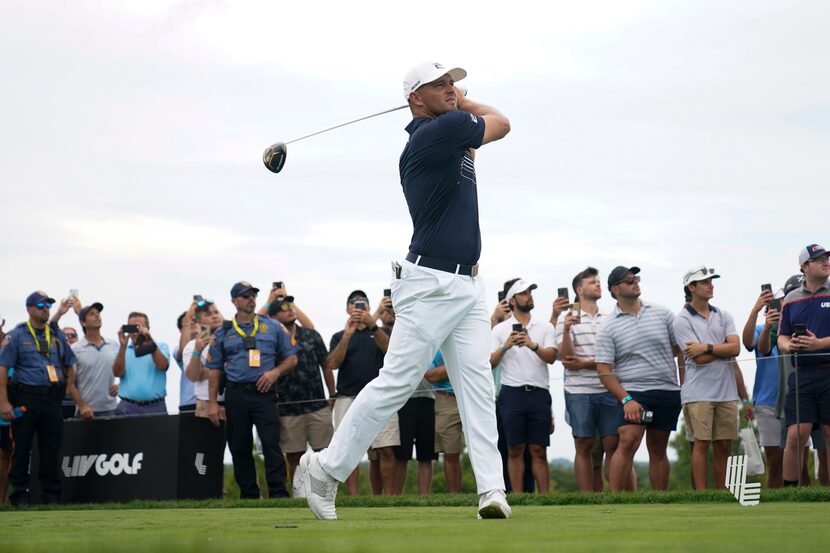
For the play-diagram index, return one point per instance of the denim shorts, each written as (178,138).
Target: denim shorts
(592,414)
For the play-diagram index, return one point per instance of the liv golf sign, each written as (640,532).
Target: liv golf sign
(746,494)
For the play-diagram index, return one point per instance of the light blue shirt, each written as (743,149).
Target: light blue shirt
(187,394)
(444,385)
(142,381)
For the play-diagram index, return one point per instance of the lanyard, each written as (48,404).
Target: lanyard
(242,332)
(37,342)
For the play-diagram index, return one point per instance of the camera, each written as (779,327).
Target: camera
(360,304)
(799,329)
(278,284)
(517,327)
(562,293)
(198,297)
(502,294)
(129,329)
(387,292)
(766,288)
(646,417)
(775,304)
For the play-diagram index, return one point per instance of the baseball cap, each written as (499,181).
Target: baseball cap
(241,288)
(276,307)
(810,252)
(37,297)
(357,294)
(426,72)
(619,273)
(792,283)
(84,310)
(698,274)
(518,287)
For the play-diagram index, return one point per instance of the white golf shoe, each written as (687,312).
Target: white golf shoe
(320,488)
(493,504)
(297,487)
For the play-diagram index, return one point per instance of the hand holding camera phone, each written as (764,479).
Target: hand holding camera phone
(562,293)
(766,288)
(129,329)
(646,417)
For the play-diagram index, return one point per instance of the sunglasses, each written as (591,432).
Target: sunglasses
(630,281)
(286,306)
(355,300)
(69,335)
(202,303)
(704,271)
(249,295)
(44,305)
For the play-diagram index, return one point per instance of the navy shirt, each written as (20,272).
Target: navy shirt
(439,181)
(361,364)
(811,309)
(21,352)
(229,353)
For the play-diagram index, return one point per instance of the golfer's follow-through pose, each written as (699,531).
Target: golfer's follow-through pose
(438,296)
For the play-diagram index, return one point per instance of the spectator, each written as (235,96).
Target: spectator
(43,370)
(305,415)
(524,400)
(592,410)
(278,293)
(5,436)
(637,343)
(253,353)
(194,357)
(762,339)
(356,352)
(709,393)
(805,332)
(448,430)
(95,355)
(141,364)
(187,333)
(71,302)
(71,335)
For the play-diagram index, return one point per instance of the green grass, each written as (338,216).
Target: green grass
(726,526)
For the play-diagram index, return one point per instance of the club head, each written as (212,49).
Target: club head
(274,157)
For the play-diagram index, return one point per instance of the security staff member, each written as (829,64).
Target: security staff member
(253,352)
(43,371)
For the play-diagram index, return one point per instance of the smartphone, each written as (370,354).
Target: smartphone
(562,293)
(646,417)
(799,329)
(197,297)
(517,327)
(575,309)
(766,288)
(73,293)
(278,284)
(204,330)
(387,292)
(360,305)
(775,304)
(502,294)
(129,329)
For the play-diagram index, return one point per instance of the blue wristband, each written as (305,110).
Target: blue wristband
(267,306)
(196,354)
(626,399)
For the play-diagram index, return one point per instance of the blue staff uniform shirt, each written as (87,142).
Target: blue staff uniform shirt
(439,181)
(813,310)
(765,389)
(20,352)
(142,381)
(229,353)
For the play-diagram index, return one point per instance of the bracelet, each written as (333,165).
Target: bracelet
(747,401)
(196,353)
(502,349)
(267,305)
(626,399)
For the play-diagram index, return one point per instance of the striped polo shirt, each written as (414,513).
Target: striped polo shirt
(640,348)
(715,380)
(584,340)
(811,309)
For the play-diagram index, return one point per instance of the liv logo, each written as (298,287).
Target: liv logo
(201,467)
(746,494)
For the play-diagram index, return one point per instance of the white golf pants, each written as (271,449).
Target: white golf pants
(434,309)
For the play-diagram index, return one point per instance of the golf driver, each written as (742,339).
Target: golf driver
(275,154)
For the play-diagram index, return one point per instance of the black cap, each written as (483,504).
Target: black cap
(241,288)
(619,272)
(357,294)
(276,306)
(38,297)
(97,305)
(792,283)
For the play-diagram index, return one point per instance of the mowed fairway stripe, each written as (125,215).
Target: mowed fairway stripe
(771,527)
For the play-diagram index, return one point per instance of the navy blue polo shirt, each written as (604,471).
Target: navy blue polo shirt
(21,352)
(439,181)
(229,353)
(362,362)
(813,310)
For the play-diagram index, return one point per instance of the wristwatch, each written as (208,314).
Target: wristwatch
(536,348)
(710,348)
(373,329)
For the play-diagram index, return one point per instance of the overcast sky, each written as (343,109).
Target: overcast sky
(658,134)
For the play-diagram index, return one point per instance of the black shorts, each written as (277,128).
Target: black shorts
(526,415)
(5,438)
(416,420)
(665,404)
(813,397)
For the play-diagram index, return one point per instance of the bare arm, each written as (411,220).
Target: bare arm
(120,359)
(6,410)
(697,351)
(84,409)
(748,334)
(184,333)
(381,340)
(437,374)
(338,354)
(303,318)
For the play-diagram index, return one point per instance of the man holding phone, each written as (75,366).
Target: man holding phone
(142,365)
(524,347)
(804,331)
(637,343)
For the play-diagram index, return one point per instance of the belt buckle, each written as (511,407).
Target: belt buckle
(474,270)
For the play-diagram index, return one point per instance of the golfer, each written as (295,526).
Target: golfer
(438,296)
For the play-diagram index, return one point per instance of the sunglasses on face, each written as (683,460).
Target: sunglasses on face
(248,296)
(355,300)
(69,335)
(630,281)
(820,260)
(286,306)
(44,305)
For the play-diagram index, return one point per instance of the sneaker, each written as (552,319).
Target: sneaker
(297,487)
(320,488)
(493,504)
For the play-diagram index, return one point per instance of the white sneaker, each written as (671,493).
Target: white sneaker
(320,488)
(493,504)
(297,487)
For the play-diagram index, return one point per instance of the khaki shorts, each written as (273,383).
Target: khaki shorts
(769,426)
(388,436)
(448,435)
(314,429)
(712,420)
(202,410)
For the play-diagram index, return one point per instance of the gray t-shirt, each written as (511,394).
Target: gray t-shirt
(713,381)
(93,375)
(640,348)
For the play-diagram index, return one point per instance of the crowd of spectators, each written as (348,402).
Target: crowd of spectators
(628,375)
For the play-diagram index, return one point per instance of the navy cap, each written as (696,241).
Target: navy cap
(619,272)
(357,294)
(276,307)
(37,297)
(96,305)
(241,288)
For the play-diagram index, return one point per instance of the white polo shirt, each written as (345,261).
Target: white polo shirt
(521,366)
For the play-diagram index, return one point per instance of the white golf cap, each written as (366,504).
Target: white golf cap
(697,274)
(518,287)
(426,72)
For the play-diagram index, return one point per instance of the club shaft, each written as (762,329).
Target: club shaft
(347,123)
